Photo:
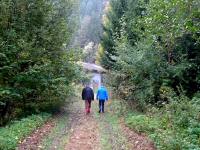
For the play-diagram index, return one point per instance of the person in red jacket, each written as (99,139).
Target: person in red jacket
(88,97)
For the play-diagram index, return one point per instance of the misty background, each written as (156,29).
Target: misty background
(88,15)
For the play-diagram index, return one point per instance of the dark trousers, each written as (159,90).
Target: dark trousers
(87,106)
(101,105)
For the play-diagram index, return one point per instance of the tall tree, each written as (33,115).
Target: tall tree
(35,67)
(150,47)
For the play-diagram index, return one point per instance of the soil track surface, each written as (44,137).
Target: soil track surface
(84,132)
(74,130)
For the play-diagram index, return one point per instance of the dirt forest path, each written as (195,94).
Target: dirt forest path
(84,132)
(72,129)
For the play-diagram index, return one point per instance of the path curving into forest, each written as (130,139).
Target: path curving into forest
(72,129)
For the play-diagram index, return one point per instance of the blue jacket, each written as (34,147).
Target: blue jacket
(102,94)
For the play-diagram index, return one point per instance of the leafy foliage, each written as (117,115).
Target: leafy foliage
(152,51)
(175,126)
(37,68)
(15,131)
(152,45)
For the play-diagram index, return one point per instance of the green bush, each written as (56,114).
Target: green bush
(17,130)
(145,60)
(173,127)
(142,123)
(37,67)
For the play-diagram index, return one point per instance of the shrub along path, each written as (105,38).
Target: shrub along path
(74,130)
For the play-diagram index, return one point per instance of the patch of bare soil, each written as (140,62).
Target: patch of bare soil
(32,142)
(84,132)
(135,140)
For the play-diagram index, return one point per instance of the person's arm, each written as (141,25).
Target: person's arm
(92,95)
(83,94)
(97,97)
(106,94)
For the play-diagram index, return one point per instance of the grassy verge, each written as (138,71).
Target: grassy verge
(111,136)
(58,136)
(174,127)
(11,134)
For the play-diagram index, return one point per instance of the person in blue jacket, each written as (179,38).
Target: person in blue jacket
(102,96)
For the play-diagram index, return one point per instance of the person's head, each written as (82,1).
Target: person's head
(87,84)
(102,85)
